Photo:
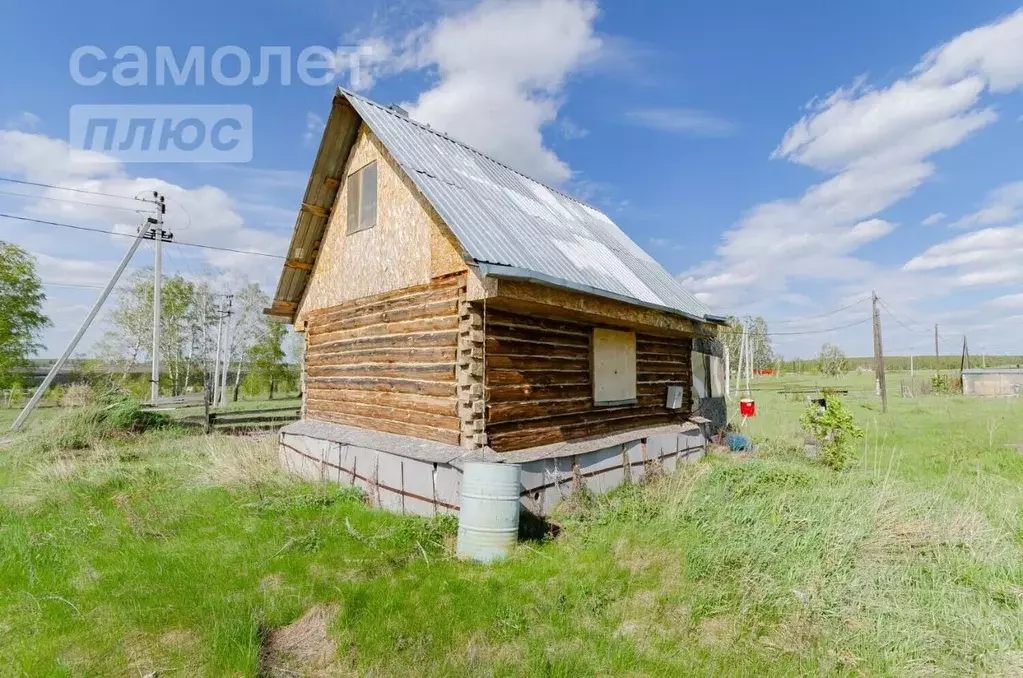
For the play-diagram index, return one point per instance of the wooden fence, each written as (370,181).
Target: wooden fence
(243,420)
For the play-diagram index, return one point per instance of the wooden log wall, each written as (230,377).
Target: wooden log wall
(387,362)
(540,390)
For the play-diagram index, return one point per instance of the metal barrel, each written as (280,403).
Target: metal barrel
(488,519)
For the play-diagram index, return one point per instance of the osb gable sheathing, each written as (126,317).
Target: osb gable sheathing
(408,246)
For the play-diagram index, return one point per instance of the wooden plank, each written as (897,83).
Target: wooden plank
(519,392)
(390,355)
(595,415)
(532,409)
(497,346)
(414,430)
(226,420)
(423,387)
(425,339)
(501,318)
(441,288)
(386,329)
(515,438)
(424,372)
(445,307)
(522,363)
(507,412)
(536,377)
(412,401)
(396,414)
(528,334)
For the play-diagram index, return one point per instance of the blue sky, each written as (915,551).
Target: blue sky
(781,160)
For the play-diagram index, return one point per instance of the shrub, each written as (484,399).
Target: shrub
(82,427)
(834,428)
(78,395)
(940,383)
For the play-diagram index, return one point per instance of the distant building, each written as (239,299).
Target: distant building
(996,381)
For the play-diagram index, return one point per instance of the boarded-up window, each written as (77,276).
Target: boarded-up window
(614,367)
(362,199)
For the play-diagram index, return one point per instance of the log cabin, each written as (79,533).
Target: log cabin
(455,308)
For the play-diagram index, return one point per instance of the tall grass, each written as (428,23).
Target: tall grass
(164,552)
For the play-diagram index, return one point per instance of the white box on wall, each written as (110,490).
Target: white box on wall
(674,401)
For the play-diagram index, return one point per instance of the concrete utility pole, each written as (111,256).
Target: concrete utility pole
(937,359)
(158,235)
(227,355)
(216,361)
(37,396)
(879,355)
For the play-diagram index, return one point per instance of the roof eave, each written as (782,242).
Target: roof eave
(515,273)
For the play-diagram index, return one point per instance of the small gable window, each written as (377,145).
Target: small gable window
(362,199)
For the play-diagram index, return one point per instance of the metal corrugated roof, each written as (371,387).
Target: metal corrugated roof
(519,226)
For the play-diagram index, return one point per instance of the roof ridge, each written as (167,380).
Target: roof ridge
(443,135)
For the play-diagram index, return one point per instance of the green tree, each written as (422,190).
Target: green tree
(267,355)
(831,360)
(21,311)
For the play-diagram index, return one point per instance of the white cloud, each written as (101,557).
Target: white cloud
(571,130)
(501,70)
(25,121)
(686,121)
(313,129)
(1002,205)
(1012,301)
(933,219)
(989,256)
(878,143)
(204,214)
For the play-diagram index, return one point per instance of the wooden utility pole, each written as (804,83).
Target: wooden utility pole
(937,359)
(879,355)
(965,362)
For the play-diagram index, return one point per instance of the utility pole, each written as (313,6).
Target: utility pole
(965,362)
(937,359)
(227,354)
(879,355)
(216,361)
(911,372)
(158,235)
(41,389)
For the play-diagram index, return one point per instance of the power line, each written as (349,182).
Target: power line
(895,318)
(76,287)
(65,188)
(830,329)
(131,235)
(75,202)
(822,315)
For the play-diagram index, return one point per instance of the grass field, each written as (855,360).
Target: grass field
(185,555)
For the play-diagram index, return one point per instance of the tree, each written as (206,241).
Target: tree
(831,360)
(185,321)
(21,311)
(248,326)
(267,356)
(758,336)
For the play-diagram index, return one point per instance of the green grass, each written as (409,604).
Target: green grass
(180,553)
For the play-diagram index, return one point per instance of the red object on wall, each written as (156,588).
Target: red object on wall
(748,407)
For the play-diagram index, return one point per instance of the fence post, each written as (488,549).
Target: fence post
(208,427)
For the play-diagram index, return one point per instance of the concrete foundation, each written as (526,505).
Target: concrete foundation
(418,477)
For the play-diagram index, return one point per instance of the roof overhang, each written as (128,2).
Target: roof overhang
(314,214)
(501,271)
